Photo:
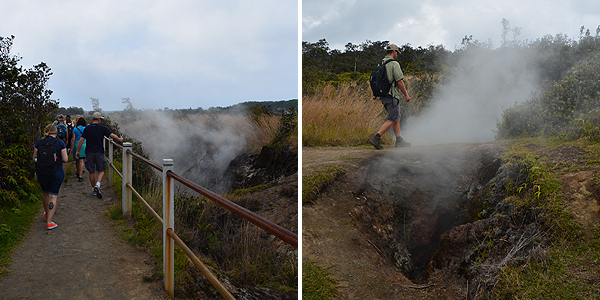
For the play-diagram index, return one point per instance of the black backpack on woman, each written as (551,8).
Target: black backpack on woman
(46,162)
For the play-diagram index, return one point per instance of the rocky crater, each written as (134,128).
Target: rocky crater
(440,214)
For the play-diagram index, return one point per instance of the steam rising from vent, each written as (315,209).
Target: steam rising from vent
(467,107)
(201,145)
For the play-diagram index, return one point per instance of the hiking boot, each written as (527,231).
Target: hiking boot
(400,142)
(51,226)
(376,142)
(98,192)
(80,179)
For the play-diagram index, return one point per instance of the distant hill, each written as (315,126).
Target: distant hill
(276,107)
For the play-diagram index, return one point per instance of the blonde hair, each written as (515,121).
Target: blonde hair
(50,129)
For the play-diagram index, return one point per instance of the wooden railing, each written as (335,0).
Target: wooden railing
(170,238)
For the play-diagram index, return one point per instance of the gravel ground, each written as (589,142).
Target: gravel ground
(82,258)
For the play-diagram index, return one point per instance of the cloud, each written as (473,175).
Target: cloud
(186,53)
(423,23)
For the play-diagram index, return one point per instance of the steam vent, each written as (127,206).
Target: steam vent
(412,197)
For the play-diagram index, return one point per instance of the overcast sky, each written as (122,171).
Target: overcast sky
(446,22)
(176,54)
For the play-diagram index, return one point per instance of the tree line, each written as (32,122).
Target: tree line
(25,108)
(552,56)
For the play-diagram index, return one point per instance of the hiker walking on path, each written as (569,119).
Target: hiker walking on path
(70,126)
(77,133)
(62,132)
(49,154)
(94,151)
(391,101)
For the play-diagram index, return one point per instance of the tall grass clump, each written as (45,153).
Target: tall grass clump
(343,115)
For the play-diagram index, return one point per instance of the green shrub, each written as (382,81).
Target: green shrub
(557,107)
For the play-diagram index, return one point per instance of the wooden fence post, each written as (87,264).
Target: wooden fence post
(127,170)
(168,222)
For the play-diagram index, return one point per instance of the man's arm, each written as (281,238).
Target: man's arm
(403,89)
(115,137)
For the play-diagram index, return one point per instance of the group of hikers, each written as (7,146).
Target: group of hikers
(84,142)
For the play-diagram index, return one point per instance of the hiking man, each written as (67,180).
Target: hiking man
(391,101)
(94,134)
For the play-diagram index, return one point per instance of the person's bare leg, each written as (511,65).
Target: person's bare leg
(52,199)
(100,176)
(386,126)
(396,127)
(92,176)
(79,167)
(46,200)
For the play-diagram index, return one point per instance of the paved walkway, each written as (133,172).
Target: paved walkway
(82,258)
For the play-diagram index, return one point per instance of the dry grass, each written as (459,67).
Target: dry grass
(346,115)
(259,132)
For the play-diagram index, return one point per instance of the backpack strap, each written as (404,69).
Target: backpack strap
(385,63)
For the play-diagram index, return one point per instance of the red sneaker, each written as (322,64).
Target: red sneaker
(51,226)
(45,218)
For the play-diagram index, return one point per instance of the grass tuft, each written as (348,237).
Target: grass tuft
(317,283)
(314,183)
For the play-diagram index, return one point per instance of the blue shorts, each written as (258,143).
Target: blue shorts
(51,184)
(392,106)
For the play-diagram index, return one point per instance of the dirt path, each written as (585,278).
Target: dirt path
(330,236)
(82,258)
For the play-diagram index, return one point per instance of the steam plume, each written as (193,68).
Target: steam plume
(201,145)
(466,108)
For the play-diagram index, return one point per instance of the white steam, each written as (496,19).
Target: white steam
(467,107)
(201,145)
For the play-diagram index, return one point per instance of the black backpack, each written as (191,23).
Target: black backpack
(380,85)
(46,162)
(70,128)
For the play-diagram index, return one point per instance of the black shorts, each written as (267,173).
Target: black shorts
(51,184)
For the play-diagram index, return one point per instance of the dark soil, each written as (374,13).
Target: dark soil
(80,259)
